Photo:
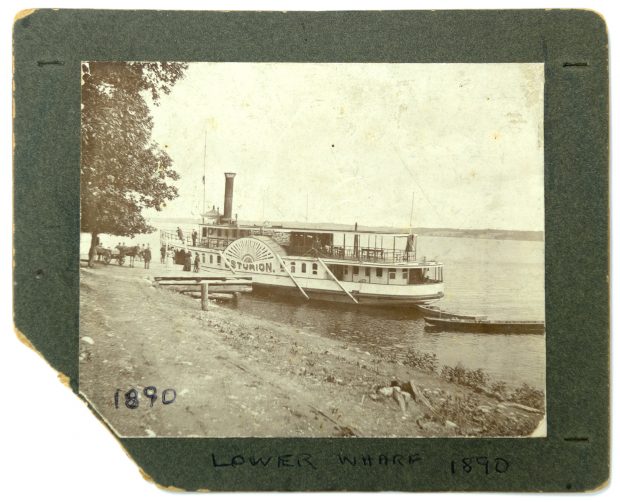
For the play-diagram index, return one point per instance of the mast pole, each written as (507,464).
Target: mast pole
(411,214)
(204,178)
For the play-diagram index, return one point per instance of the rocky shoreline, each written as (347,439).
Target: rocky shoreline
(237,375)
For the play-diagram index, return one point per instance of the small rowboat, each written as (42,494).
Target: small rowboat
(434,311)
(484,325)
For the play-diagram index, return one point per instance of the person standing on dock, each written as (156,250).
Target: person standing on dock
(180,234)
(187,267)
(194,237)
(163,254)
(197,263)
(169,258)
(147,256)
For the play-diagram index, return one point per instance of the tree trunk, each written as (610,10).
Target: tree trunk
(92,252)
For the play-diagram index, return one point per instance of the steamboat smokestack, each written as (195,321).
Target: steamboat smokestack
(228,197)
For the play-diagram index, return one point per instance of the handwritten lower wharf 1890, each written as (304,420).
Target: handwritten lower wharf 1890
(475,465)
(307,460)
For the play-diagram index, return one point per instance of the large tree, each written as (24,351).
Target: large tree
(123,171)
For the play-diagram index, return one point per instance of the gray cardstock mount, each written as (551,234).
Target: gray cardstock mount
(48,48)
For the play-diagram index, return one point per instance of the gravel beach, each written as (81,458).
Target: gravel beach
(232,374)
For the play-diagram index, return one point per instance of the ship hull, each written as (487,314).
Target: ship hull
(334,296)
(328,291)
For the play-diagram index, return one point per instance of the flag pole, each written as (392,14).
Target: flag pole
(204,179)
(411,214)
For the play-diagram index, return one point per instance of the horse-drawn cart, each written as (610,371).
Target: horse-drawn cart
(106,255)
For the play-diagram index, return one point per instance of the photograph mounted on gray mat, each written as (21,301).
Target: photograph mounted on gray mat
(368,254)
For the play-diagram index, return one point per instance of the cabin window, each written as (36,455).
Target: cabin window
(203,258)
(210,258)
(392,273)
(379,272)
(356,270)
(219,259)
(204,231)
(219,232)
(367,271)
(303,268)
(405,274)
(315,269)
(293,267)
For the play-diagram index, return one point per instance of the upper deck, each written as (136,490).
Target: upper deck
(350,245)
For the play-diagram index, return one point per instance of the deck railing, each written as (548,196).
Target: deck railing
(349,253)
(173,239)
(355,253)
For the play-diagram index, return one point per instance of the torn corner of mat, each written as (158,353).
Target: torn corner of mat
(24,339)
(149,478)
(23,13)
(64,379)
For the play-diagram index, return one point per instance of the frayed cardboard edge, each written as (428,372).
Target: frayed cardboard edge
(173,489)
(600,488)
(65,380)
(23,13)
(117,437)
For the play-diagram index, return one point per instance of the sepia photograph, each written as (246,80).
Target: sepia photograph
(313,249)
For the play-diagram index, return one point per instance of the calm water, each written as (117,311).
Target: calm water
(500,278)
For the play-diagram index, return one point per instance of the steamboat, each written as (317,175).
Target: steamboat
(329,264)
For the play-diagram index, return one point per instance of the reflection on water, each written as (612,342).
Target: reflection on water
(502,279)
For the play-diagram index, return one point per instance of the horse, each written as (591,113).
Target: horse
(103,254)
(131,251)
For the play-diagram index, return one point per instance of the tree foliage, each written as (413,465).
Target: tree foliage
(123,171)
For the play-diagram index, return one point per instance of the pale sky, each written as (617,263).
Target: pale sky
(356,140)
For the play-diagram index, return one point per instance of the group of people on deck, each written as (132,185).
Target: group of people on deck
(194,236)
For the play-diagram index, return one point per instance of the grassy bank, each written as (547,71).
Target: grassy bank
(237,375)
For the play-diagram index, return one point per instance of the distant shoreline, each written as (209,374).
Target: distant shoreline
(488,233)
(474,233)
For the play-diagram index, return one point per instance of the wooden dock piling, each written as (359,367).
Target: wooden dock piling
(219,287)
(204,295)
